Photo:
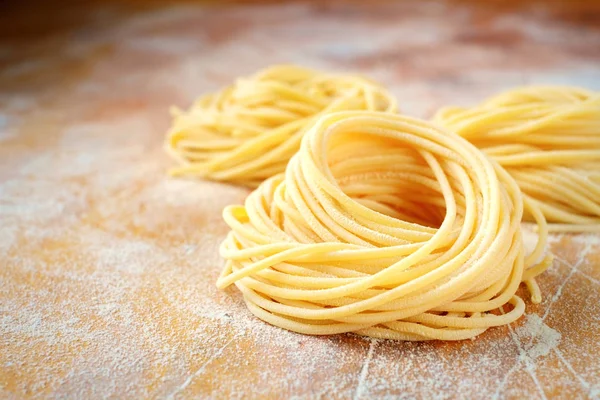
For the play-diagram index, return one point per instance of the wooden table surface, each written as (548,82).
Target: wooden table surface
(107,266)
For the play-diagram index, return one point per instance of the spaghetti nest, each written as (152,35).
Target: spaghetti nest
(548,139)
(248,131)
(385,226)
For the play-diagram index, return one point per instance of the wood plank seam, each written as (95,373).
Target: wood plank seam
(190,378)
(360,388)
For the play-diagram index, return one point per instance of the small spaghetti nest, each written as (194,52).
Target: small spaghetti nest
(385,226)
(548,139)
(248,131)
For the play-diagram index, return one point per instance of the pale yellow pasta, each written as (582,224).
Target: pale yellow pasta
(385,226)
(248,131)
(548,139)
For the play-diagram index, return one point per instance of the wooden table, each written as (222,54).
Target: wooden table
(107,266)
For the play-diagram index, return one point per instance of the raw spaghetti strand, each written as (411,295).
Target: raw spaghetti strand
(385,226)
(248,131)
(548,139)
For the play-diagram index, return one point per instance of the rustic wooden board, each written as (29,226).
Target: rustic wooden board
(107,266)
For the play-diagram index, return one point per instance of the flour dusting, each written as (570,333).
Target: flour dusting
(108,266)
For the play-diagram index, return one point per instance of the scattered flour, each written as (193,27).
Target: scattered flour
(542,338)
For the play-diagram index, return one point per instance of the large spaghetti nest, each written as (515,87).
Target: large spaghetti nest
(385,226)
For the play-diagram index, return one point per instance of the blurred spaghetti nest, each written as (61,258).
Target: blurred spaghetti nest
(548,139)
(248,131)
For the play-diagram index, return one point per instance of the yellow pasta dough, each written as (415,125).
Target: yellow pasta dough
(548,139)
(386,226)
(248,131)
